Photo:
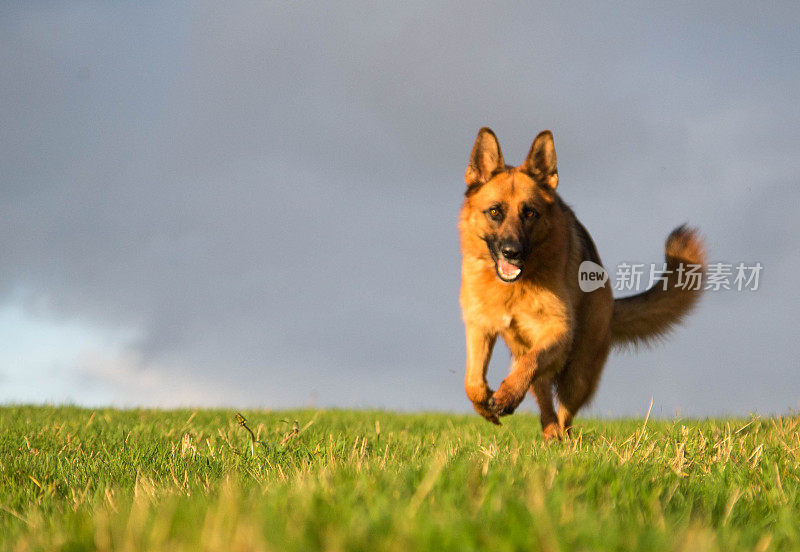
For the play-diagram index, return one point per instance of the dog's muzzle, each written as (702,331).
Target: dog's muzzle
(509,260)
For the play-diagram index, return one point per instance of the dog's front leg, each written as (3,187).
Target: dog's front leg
(479,350)
(524,371)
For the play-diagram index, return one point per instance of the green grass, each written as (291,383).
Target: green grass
(75,479)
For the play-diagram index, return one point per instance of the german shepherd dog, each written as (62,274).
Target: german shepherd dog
(522,247)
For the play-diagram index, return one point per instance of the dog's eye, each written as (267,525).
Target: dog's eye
(494,213)
(529,213)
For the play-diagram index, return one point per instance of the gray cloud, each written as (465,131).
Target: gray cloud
(266,195)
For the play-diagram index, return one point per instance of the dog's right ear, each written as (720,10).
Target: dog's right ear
(485,160)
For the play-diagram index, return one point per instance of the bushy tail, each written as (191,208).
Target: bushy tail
(650,315)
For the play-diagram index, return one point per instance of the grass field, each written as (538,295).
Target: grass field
(75,479)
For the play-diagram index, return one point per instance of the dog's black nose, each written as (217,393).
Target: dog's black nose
(511,251)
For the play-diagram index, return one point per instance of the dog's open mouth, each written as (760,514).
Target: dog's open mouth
(507,271)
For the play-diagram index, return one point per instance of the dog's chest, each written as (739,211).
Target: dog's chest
(533,317)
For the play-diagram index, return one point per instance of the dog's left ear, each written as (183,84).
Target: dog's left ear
(541,161)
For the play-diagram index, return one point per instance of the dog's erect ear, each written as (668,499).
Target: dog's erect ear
(486,158)
(541,161)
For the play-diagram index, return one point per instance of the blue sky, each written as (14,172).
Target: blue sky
(255,205)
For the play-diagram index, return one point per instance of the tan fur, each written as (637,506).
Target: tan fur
(558,335)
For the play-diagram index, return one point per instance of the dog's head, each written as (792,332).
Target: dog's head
(510,207)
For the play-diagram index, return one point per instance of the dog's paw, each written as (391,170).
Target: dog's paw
(506,400)
(486,409)
(481,398)
(552,432)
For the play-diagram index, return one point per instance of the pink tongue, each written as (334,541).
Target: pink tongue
(506,268)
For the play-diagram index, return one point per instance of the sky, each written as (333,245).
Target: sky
(254,205)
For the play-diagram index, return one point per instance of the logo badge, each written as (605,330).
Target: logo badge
(591,276)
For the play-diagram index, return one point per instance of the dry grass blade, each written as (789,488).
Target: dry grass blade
(295,430)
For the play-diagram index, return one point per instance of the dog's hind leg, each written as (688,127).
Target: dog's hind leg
(542,389)
(576,384)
